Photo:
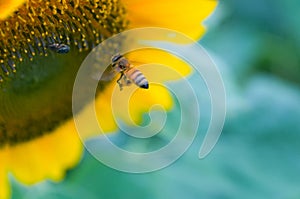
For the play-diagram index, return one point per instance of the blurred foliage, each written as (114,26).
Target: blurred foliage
(256,45)
(257,37)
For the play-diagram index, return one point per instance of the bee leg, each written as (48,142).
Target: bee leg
(118,81)
(127,81)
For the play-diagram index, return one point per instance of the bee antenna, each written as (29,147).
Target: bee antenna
(115,54)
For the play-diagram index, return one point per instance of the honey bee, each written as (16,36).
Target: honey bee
(59,48)
(129,74)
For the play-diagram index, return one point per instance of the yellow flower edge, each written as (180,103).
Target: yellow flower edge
(9,6)
(48,157)
(4,184)
(183,16)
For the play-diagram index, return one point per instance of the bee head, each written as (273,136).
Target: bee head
(124,63)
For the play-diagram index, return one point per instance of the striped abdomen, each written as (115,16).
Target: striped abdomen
(137,77)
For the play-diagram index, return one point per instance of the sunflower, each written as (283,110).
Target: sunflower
(38,138)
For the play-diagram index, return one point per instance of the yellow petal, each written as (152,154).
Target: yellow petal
(154,56)
(48,156)
(136,100)
(184,16)
(7,7)
(4,184)
(142,100)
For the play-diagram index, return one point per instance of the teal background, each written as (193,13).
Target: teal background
(256,46)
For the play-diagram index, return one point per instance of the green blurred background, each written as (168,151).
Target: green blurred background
(256,45)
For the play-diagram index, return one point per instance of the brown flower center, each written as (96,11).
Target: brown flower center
(36,82)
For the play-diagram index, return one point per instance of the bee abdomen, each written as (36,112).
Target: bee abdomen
(138,78)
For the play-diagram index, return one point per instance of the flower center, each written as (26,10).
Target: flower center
(36,82)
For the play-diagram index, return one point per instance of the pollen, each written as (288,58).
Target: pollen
(82,24)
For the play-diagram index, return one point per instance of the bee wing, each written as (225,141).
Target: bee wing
(107,75)
(136,63)
(111,72)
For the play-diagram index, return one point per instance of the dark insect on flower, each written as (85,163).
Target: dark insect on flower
(59,48)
